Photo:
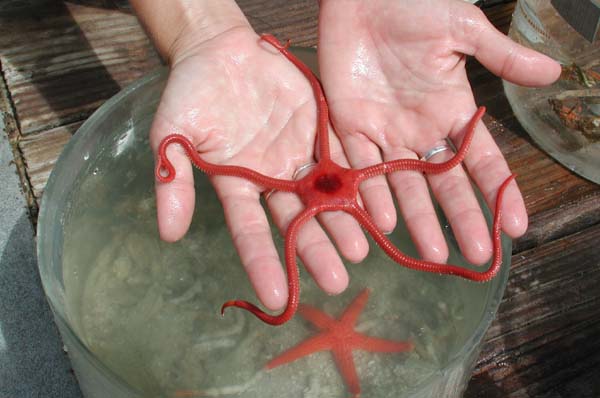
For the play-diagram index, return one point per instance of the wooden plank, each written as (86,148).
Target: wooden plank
(8,7)
(12,131)
(63,60)
(548,327)
(41,152)
(297,20)
(294,20)
(501,15)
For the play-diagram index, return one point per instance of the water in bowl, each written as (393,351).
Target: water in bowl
(149,310)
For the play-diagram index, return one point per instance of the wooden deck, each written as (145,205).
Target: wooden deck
(60,61)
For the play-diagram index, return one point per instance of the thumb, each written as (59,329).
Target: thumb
(499,54)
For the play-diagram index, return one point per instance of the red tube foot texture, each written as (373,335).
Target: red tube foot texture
(331,187)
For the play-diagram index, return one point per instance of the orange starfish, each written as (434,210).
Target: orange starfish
(341,339)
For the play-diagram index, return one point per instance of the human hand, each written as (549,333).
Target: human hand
(240,102)
(394,76)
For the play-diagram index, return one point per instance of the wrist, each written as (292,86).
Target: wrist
(176,27)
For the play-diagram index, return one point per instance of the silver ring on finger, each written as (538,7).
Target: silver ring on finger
(300,170)
(267,194)
(435,150)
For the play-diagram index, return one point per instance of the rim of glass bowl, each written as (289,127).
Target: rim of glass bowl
(53,208)
(50,234)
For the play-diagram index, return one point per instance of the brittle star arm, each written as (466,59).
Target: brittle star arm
(291,264)
(423,166)
(322,108)
(165,172)
(391,250)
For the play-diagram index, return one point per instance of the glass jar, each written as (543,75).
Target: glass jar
(564,118)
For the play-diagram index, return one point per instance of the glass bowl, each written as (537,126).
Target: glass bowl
(563,118)
(140,317)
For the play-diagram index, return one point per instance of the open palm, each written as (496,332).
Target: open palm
(240,102)
(394,75)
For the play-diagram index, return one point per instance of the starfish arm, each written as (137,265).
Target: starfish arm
(375,344)
(315,316)
(423,166)
(345,362)
(322,108)
(292,275)
(351,314)
(165,166)
(320,342)
(427,266)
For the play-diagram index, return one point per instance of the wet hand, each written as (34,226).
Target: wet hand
(240,102)
(394,76)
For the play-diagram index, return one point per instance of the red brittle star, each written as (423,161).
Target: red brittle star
(330,187)
(339,336)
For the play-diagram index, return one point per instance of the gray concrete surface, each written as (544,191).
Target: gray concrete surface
(32,361)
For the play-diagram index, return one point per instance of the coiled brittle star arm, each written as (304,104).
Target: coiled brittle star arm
(165,172)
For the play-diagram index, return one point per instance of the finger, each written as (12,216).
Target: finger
(455,195)
(313,246)
(375,192)
(345,231)
(175,199)
(488,168)
(347,235)
(416,207)
(251,234)
(511,61)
